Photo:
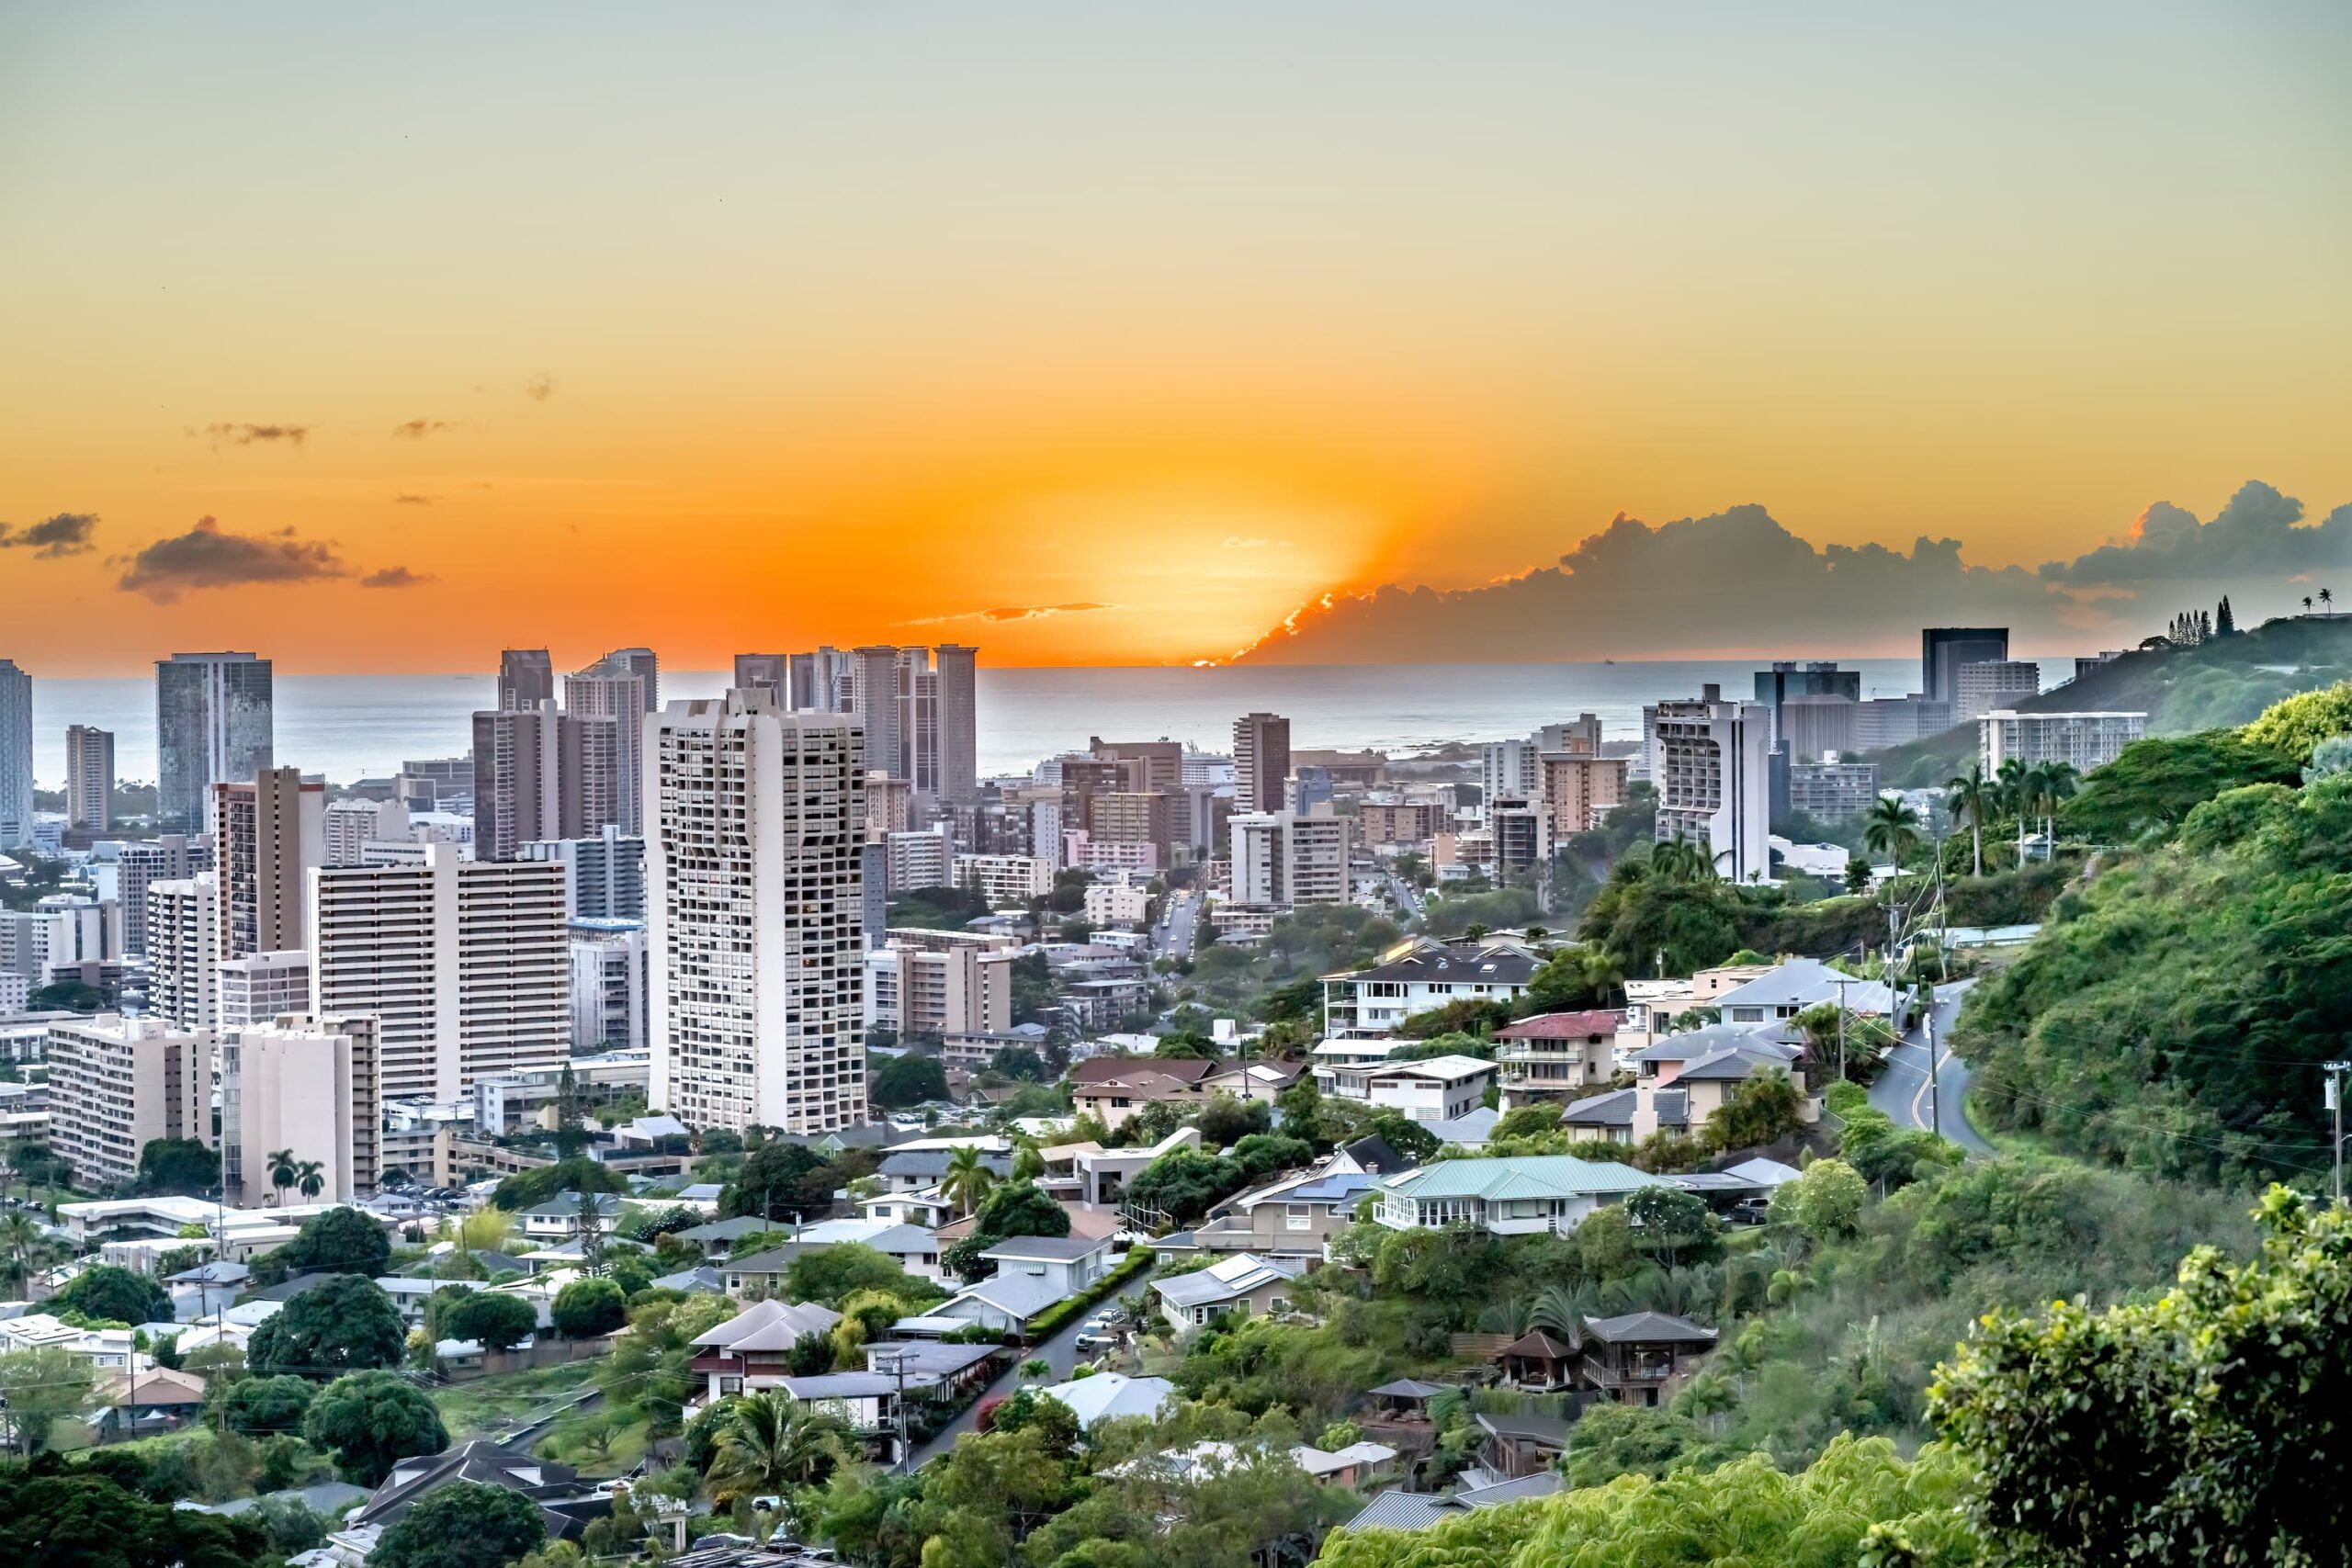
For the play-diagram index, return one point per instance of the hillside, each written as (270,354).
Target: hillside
(2225,682)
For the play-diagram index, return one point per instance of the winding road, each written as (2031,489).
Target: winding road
(1903,1090)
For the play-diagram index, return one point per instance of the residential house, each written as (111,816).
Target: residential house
(1798,985)
(1070,1264)
(1636,1359)
(1508,1197)
(1396,1510)
(1264,1082)
(1468,1131)
(1515,1446)
(1422,975)
(1008,1303)
(719,1236)
(1433,1088)
(914,1249)
(753,1350)
(1242,1285)
(1288,1219)
(566,1503)
(1088,1173)
(1555,1057)
(1357,1465)
(1330,1058)
(558,1219)
(917,1171)
(1111,1396)
(1608,1117)
(1135,1083)
(143,1403)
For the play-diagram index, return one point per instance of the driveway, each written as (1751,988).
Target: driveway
(1060,1352)
(1903,1090)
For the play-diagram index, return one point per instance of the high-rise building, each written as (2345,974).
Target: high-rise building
(1131,816)
(1005,881)
(937,984)
(958,720)
(603,875)
(518,780)
(183,949)
(1281,859)
(89,777)
(1943,649)
(618,692)
(213,724)
(639,663)
(821,681)
(1814,677)
(764,672)
(917,860)
(526,679)
(1833,790)
(464,962)
(2085,740)
(1576,789)
(167,857)
(1260,762)
(1811,722)
(1507,769)
(353,823)
(1709,761)
(270,832)
(16,756)
(608,966)
(1880,722)
(1150,765)
(756,888)
(117,1085)
(309,1085)
(1994,683)
(259,987)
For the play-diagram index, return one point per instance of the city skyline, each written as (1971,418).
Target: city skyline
(851,300)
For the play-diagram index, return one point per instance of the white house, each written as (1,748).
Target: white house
(1069,1264)
(1005,1304)
(1109,1396)
(1422,975)
(1508,1197)
(752,1349)
(1434,1088)
(1798,985)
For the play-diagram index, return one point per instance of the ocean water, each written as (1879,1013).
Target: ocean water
(349,727)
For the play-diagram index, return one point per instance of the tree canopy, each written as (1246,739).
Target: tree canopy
(347,1323)
(466,1524)
(118,1295)
(178,1166)
(905,1080)
(341,1241)
(371,1421)
(497,1320)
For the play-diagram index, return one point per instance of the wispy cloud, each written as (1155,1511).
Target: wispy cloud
(1008,612)
(207,557)
(405,500)
(539,387)
(1235,542)
(247,434)
(394,577)
(418,429)
(67,533)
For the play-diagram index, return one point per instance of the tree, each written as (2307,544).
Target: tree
(466,1524)
(348,1324)
(906,1080)
(77,1519)
(770,1443)
(1826,1202)
(2157,781)
(1762,1109)
(39,1386)
(179,1166)
(1676,1226)
(344,1240)
(282,1169)
(770,1179)
(1225,1120)
(969,1176)
(2156,1429)
(496,1320)
(586,1308)
(1891,829)
(18,1238)
(117,1295)
(1611,1439)
(1019,1061)
(311,1180)
(832,1273)
(253,1406)
(372,1421)
(1184,1184)
(1975,798)
(570,1135)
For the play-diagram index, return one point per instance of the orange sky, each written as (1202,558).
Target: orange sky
(863,322)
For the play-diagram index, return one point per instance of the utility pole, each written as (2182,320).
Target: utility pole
(2336,1071)
(1841,1032)
(1935,1083)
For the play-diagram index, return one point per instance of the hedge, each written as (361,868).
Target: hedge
(1140,1260)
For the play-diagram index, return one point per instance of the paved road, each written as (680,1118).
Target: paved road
(1060,1352)
(1902,1090)
(1178,915)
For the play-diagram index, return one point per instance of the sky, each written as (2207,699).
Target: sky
(377,339)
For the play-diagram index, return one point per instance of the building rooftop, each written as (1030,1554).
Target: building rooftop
(1459,964)
(1230,1279)
(1047,1248)
(1108,1396)
(1522,1176)
(1443,1069)
(1599,1023)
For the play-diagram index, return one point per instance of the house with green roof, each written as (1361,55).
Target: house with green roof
(1516,1196)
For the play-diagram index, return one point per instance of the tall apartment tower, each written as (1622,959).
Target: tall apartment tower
(526,679)
(308,1085)
(821,681)
(181,921)
(1260,762)
(16,755)
(213,724)
(639,663)
(603,875)
(1710,764)
(464,962)
(764,672)
(518,780)
(959,729)
(615,691)
(755,890)
(166,858)
(270,832)
(874,699)
(1943,649)
(89,777)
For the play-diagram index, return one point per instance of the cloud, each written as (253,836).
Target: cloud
(1008,612)
(406,500)
(67,533)
(418,429)
(1235,542)
(246,435)
(205,556)
(2259,534)
(539,387)
(394,577)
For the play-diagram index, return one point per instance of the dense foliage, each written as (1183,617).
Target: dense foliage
(371,1421)
(466,1524)
(909,1079)
(347,1324)
(105,1292)
(72,1518)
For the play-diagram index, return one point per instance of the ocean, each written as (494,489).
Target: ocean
(351,726)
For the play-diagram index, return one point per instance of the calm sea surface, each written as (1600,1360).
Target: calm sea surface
(349,727)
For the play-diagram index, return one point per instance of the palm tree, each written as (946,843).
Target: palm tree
(2326,598)
(1891,829)
(1974,796)
(968,1178)
(311,1178)
(1603,971)
(1563,1308)
(2058,782)
(771,1443)
(2307,603)
(283,1172)
(2021,794)
(19,1237)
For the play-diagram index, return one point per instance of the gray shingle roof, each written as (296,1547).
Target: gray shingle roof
(1051,1248)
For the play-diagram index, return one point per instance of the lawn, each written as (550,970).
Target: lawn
(473,1409)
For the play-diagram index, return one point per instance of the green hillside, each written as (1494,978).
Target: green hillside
(2225,682)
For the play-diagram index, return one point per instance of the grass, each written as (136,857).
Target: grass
(574,1440)
(472,1409)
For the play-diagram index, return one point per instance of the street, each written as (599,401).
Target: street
(1173,936)
(1902,1090)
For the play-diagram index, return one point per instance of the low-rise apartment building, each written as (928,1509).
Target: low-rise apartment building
(1555,1057)
(1420,976)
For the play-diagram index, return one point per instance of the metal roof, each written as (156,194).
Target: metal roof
(1522,1176)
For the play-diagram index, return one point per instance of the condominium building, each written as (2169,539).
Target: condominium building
(2088,741)
(311,1085)
(89,777)
(526,679)
(1943,649)
(1994,683)
(818,682)
(1154,766)
(213,724)
(167,857)
(889,804)
(609,965)
(1833,790)
(269,834)
(1116,904)
(1131,816)
(917,860)
(183,949)
(1813,722)
(64,937)
(1260,762)
(958,720)
(1709,761)
(465,963)
(1003,881)
(353,823)
(16,755)
(764,672)
(1406,821)
(1507,770)
(260,986)
(603,875)
(1892,721)
(755,874)
(117,1085)
(1576,790)
(1282,860)
(619,687)
(916,985)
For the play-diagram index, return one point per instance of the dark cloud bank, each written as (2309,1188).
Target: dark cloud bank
(208,555)
(1739,582)
(67,533)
